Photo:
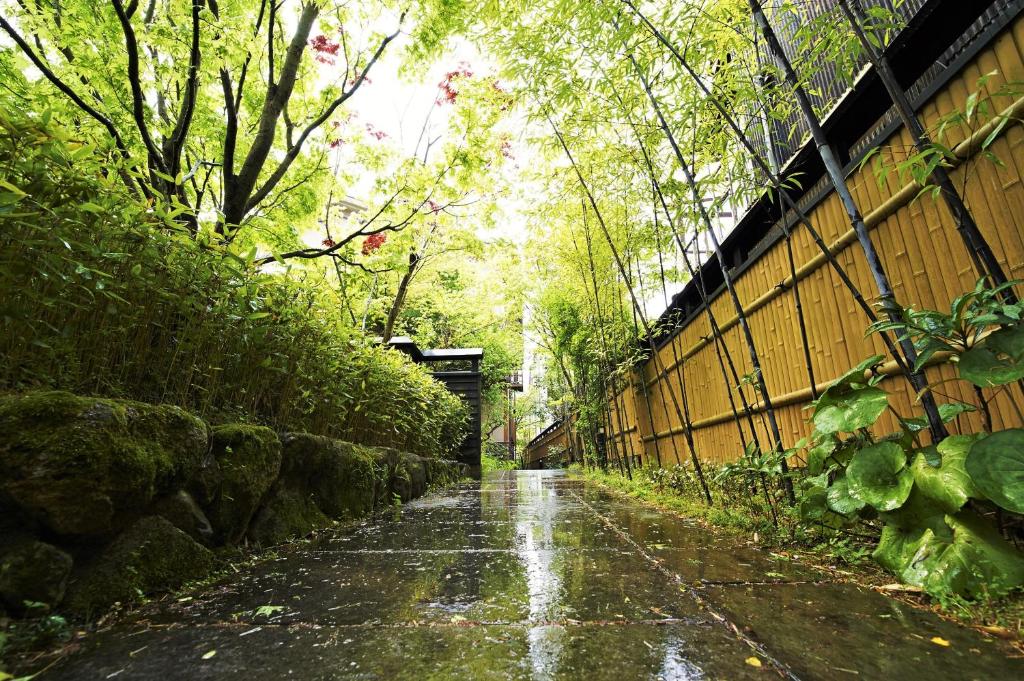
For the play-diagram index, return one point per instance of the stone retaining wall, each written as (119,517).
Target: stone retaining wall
(104,501)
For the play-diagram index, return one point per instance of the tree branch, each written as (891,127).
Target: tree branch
(71,94)
(134,80)
(293,150)
(188,101)
(310,253)
(231,126)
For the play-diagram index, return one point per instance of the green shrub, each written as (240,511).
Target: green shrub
(102,293)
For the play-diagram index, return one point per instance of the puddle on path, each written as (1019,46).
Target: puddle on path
(518,577)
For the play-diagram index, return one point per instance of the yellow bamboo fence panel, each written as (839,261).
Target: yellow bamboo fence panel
(922,252)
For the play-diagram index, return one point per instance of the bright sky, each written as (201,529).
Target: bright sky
(399,105)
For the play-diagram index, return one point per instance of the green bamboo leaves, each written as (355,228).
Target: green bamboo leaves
(997,360)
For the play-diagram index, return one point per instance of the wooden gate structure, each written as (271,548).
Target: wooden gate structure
(466,383)
(942,55)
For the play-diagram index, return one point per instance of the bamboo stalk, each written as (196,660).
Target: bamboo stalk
(648,165)
(744,324)
(833,169)
(778,186)
(698,468)
(977,246)
(605,373)
(643,385)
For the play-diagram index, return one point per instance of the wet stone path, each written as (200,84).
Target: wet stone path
(532,575)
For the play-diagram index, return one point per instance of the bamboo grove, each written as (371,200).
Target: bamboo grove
(656,111)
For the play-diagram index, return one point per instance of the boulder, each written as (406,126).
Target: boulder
(245,462)
(151,555)
(86,467)
(182,511)
(33,572)
(320,479)
(407,475)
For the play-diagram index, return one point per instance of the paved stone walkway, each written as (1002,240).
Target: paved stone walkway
(532,575)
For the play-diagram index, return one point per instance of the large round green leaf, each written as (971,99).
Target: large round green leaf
(997,360)
(948,484)
(849,409)
(878,475)
(974,560)
(996,466)
(839,498)
(919,510)
(897,546)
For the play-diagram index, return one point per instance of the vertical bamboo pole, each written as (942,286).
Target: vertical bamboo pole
(643,380)
(835,172)
(755,360)
(719,340)
(660,380)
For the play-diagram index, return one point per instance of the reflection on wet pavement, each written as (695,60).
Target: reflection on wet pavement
(531,575)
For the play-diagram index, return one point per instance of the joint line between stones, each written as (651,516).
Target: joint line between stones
(757,647)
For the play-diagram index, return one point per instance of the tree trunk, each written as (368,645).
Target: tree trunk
(396,306)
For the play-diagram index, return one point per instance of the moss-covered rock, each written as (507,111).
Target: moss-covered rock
(245,463)
(34,572)
(152,555)
(350,481)
(288,512)
(320,479)
(182,511)
(345,479)
(407,475)
(83,466)
(441,472)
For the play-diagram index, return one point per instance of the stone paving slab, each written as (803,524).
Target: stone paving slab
(531,575)
(736,564)
(344,588)
(414,533)
(599,653)
(827,631)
